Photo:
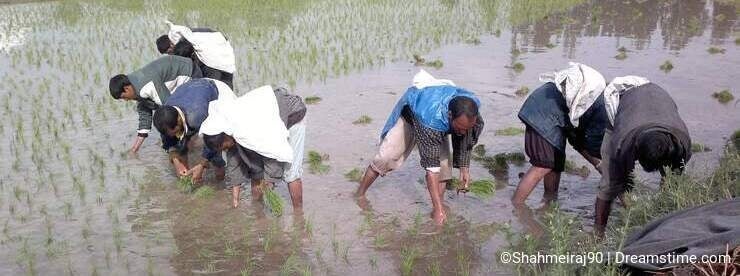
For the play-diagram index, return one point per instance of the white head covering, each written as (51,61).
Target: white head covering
(613,91)
(583,85)
(423,79)
(212,48)
(254,121)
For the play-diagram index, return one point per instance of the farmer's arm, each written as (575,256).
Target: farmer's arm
(462,147)
(145,124)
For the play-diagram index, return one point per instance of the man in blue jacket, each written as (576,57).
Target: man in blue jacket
(423,117)
(179,119)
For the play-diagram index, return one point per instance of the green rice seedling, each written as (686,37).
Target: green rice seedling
(269,236)
(723,96)
(204,192)
(434,268)
(416,226)
(354,175)
(516,52)
(312,99)
(418,60)
(373,262)
(379,241)
(479,151)
(473,41)
(290,266)
(522,91)
(510,131)
(667,66)
(518,67)
(498,163)
(715,50)
(345,252)
(436,64)
(463,263)
(483,188)
(572,168)
(549,45)
(363,120)
(621,55)
(696,147)
(408,259)
(308,227)
(230,249)
(185,184)
(316,162)
(273,201)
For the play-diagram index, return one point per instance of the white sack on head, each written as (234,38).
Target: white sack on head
(583,85)
(423,79)
(212,48)
(254,121)
(224,91)
(613,91)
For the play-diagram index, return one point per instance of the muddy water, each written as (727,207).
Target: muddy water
(74,203)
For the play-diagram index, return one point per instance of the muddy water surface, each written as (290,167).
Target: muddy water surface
(73,202)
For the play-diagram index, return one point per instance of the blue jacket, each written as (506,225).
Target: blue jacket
(192,98)
(546,112)
(430,106)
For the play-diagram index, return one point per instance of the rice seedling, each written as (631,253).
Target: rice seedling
(518,67)
(204,192)
(510,131)
(572,168)
(549,45)
(696,147)
(483,188)
(273,200)
(434,268)
(473,41)
(185,184)
(373,261)
(667,66)
(316,162)
(723,96)
(363,120)
(715,50)
(621,54)
(522,91)
(408,259)
(354,175)
(463,263)
(379,241)
(312,99)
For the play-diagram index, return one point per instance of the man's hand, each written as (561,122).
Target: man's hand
(180,167)
(464,180)
(137,144)
(197,172)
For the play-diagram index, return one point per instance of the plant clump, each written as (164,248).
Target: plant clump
(353,175)
(312,99)
(316,162)
(522,91)
(696,147)
(185,184)
(273,201)
(667,66)
(723,96)
(510,131)
(421,61)
(204,192)
(715,50)
(363,120)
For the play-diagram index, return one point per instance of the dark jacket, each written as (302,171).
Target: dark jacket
(158,72)
(192,98)
(641,108)
(589,134)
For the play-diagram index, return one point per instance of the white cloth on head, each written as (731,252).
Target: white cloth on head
(614,90)
(254,121)
(423,79)
(583,85)
(212,48)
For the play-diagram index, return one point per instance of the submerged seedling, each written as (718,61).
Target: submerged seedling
(522,91)
(723,96)
(517,67)
(363,120)
(696,147)
(667,66)
(316,162)
(510,131)
(715,50)
(312,99)
(354,175)
(572,168)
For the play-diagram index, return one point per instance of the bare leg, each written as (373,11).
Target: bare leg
(257,190)
(438,213)
(366,181)
(552,183)
(601,216)
(527,184)
(295,188)
(235,195)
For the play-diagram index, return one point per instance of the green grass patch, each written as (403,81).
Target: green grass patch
(204,192)
(510,131)
(723,96)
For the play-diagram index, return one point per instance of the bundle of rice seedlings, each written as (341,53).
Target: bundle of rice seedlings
(483,188)
(273,201)
(354,175)
(185,184)
(316,163)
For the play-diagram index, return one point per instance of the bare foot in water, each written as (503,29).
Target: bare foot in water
(439,217)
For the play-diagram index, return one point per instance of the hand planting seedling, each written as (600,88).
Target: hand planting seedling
(483,188)
(185,184)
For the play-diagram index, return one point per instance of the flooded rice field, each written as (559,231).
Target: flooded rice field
(73,201)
